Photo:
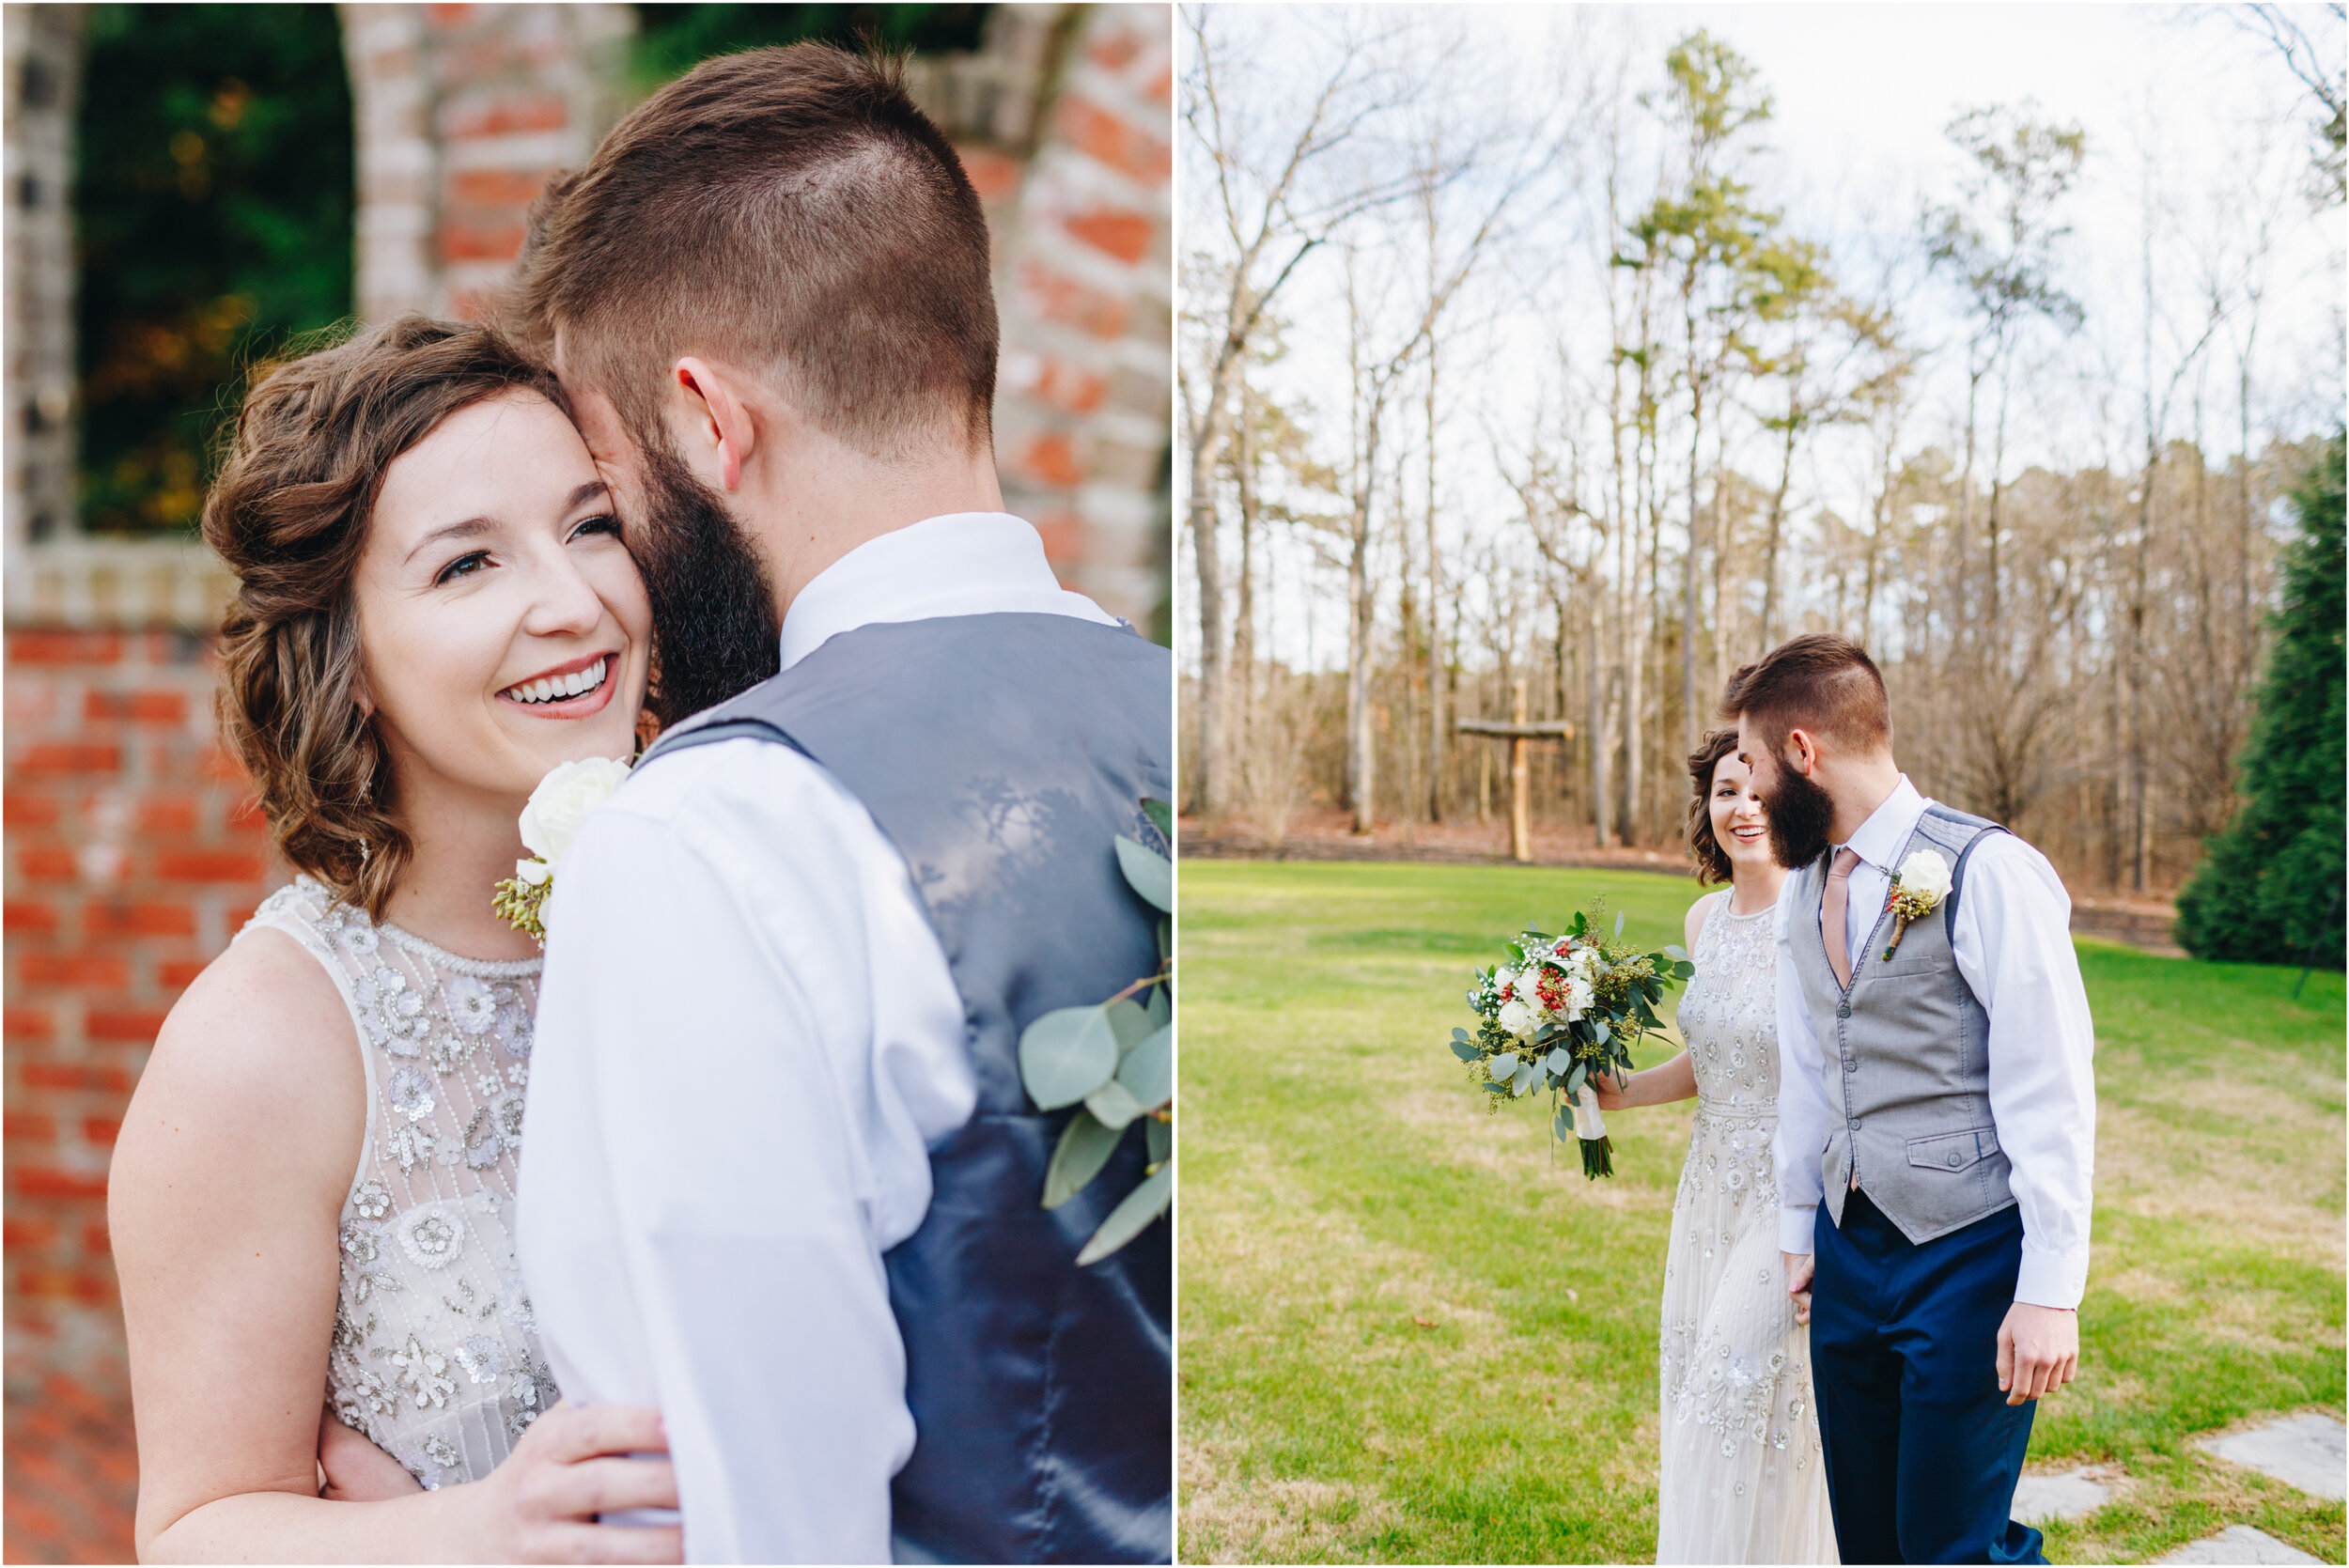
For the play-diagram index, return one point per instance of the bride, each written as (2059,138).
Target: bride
(312,1194)
(1741,1478)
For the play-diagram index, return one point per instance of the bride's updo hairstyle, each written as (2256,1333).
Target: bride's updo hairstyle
(290,514)
(1712,860)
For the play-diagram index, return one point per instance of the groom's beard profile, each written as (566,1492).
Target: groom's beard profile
(1801,813)
(713,619)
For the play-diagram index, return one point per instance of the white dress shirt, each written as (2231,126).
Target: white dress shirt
(2012,942)
(747,1038)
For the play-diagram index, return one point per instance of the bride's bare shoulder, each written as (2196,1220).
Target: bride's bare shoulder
(1697,913)
(258,1062)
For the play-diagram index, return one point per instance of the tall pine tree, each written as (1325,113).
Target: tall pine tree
(2271,888)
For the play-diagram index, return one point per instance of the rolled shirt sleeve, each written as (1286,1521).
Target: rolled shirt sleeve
(747,1036)
(1802,1109)
(2013,944)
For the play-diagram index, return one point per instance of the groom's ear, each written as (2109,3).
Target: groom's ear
(717,432)
(1802,753)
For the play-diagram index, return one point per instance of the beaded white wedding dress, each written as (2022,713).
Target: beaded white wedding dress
(1742,1479)
(435,1357)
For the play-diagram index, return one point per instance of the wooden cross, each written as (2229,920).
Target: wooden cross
(1518,732)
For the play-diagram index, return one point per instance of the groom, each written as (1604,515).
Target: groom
(783,1181)
(1934,1088)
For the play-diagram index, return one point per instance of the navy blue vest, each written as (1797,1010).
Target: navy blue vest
(1001,754)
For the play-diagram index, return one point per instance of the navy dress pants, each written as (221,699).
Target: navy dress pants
(1922,1449)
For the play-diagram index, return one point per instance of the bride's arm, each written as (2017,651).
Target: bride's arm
(223,1202)
(1672,1081)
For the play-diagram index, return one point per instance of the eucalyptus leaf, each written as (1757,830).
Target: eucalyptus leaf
(1158,1139)
(1149,1070)
(1130,1218)
(1085,1145)
(1684,970)
(1565,1113)
(1115,1104)
(1459,1034)
(1465,1050)
(1561,1060)
(1161,1008)
(1600,1031)
(1150,873)
(1166,940)
(1161,816)
(1065,1055)
(1526,1075)
(1577,1078)
(1675,951)
(1619,925)
(1130,1021)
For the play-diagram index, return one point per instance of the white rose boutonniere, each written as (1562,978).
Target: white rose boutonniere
(1917,892)
(549,824)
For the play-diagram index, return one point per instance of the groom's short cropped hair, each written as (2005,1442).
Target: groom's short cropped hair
(1818,682)
(786,211)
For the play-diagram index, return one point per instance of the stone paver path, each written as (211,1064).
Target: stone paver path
(2239,1544)
(2306,1452)
(2073,1495)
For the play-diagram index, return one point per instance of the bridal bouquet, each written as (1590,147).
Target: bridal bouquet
(548,823)
(1560,1010)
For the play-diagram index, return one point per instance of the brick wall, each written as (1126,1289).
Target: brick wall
(132,855)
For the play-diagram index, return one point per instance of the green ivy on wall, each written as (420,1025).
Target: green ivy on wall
(212,208)
(672,40)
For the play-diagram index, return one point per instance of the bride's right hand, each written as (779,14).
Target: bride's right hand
(1611,1091)
(540,1505)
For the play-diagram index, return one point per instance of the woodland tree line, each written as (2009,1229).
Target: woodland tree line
(2071,645)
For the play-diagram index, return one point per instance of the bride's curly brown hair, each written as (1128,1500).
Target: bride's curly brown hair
(1712,860)
(304,465)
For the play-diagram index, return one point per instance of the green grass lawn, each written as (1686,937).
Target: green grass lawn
(1409,1334)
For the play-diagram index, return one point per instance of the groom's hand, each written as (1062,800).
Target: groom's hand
(2039,1351)
(1798,1265)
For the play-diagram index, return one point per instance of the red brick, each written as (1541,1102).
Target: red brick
(199,865)
(507,113)
(22,917)
(1114,53)
(91,1076)
(94,971)
(42,1181)
(993,175)
(1052,460)
(1161,88)
(47,865)
(95,1239)
(221,764)
(138,920)
(23,1235)
(24,808)
(137,1025)
(1064,537)
(144,707)
(28,1023)
(236,918)
(167,814)
(496,187)
(64,647)
(29,1127)
(178,974)
(1123,235)
(1113,141)
(1060,298)
(101,1130)
(480,241)
(63,756)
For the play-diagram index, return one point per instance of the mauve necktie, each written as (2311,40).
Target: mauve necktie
(1831,909)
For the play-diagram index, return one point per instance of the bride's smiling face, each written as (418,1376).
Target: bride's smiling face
(501,625)
(1740,826)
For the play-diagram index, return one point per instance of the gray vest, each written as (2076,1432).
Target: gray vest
(1002,755)
(1904,1055)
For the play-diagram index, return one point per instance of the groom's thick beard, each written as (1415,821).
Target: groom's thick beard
(714,619)
(1801,814)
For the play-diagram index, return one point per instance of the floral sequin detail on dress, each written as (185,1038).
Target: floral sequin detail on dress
(1741,1480)
(435,1355)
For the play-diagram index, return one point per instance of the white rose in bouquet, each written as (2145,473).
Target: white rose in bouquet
(562,801)
(1519,1018)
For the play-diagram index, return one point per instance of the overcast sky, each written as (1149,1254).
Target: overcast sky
(1864,94)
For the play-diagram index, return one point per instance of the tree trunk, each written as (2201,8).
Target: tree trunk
(1209,792)
(1438,740)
